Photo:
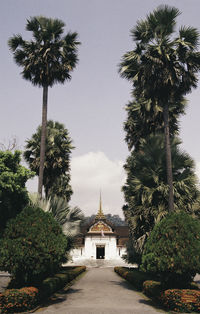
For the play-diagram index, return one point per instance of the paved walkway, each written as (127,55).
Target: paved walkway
(101,291)
(4,280)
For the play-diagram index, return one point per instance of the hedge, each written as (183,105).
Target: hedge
(58,281)
(180,300)
(152,289)
(133,275)
(19,300)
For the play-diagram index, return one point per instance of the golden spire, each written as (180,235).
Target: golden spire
(100,214)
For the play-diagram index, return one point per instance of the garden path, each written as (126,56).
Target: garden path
(4,280)
(100,291)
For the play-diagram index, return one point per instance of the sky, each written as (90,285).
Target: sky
(91,105)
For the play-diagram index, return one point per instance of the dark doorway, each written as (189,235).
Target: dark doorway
(100,252)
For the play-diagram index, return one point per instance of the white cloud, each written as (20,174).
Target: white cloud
(198,170)
(91,173)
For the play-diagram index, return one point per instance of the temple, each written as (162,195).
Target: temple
(101,240)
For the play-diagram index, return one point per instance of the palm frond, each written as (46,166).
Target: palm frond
(189,36)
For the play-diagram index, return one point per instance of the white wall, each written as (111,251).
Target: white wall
(92,241)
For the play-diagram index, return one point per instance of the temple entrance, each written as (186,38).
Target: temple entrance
(100,252)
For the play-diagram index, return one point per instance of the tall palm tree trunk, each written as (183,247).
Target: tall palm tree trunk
(168,158)
(43,139)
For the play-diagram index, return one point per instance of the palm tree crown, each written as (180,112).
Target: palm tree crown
(162,66)
(57,161)
(48,58)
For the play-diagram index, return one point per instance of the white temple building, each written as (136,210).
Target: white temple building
(101,240)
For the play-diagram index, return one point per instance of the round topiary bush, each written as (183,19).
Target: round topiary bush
(173,250)
(33,246)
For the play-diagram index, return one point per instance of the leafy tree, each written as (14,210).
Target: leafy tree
(13,193)
(68,218)
(162,67)
(146,188)
(46,59)
(57,162)
(33,247)
(173,250)
(115,220)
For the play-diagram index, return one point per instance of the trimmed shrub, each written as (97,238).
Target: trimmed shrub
(33,247)
(133,275)
(18,300)
(152,289)
(65,275)
(173,250)
(181,300)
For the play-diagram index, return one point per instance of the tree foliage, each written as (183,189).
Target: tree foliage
(173,250)
(57,159)
(116,220)
(13,193)
(33,246)
(69,218)
(163,64)
(146,188)
(162,68)
(47,59)
(143,119)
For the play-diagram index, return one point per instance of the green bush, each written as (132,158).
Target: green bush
(18,300)
(13,193)
(173,250)
(33,247)
(133,275)
(152,289)
(184,300)
(58,281)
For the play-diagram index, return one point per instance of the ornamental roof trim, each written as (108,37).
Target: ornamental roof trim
(99,227)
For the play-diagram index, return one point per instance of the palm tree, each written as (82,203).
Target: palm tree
(162,67)
(146,188)
(58,144)
(143,119)
(46,59)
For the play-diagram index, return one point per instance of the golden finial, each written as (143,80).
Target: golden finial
(100,214)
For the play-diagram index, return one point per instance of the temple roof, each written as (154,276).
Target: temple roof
(101,224)
(100,215)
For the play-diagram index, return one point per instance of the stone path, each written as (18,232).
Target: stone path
(4,280)
(100,291)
